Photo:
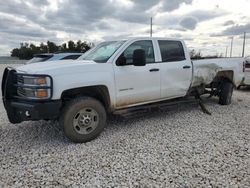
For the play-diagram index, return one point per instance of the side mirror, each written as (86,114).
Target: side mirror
(139,57)
(121,60)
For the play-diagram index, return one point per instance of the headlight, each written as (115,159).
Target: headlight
(34,80)
(34,86)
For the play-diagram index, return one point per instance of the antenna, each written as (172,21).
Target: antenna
(244,43)
(226,51)
(151,28)
(231,50)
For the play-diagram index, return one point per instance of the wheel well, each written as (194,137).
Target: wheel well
(99,92)
(224,76)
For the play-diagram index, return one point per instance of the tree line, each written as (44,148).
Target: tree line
(26,50)
(198,55)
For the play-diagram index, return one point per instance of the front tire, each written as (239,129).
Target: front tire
(226,92)
(83,119)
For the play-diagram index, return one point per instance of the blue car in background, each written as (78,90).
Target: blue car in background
(52,57)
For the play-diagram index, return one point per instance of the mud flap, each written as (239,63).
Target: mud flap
(201,104)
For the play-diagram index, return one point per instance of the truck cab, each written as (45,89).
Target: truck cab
(155,78)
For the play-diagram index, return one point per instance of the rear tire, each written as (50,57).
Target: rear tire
(226,92)
(83,119)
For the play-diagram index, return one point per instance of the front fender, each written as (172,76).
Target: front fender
(78,80)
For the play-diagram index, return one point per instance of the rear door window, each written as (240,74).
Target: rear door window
(171,51)
(247,65)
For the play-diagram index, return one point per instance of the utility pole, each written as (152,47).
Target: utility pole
(244,42)
(231,50)
(151,29)
(226,51)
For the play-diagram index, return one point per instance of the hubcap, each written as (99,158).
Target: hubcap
(85,121)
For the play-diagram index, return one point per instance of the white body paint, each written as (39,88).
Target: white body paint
(136,85)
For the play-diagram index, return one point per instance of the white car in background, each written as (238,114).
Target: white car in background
(53,57)
(247,71)
(246,81)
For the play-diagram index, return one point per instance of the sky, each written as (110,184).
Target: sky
(205,25)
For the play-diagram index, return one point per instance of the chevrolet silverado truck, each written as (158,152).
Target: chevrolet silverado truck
(114,76)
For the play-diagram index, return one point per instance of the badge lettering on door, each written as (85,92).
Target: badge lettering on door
(126,89)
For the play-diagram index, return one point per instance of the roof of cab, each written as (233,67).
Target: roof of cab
(146,38)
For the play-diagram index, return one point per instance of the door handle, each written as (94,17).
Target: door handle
(154,70)
(186,67)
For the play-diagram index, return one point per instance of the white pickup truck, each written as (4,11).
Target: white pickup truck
(114,76)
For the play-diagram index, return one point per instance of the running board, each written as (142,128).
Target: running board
(141,110)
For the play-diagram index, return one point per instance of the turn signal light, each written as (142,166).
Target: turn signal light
(41,81)
(42,93)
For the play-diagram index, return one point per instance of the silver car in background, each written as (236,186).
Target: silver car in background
(52,57)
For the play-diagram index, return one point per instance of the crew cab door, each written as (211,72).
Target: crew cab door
(137,84)
(176,69)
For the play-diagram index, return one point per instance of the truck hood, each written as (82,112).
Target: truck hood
(54,66)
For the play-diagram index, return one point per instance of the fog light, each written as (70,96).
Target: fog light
(27,113)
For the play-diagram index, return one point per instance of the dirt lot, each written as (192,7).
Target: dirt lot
(180,147)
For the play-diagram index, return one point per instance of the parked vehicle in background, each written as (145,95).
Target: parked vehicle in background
(112,78)
(246,81)
(247,72)
(53,57)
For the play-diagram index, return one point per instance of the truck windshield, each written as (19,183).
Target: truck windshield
(102,52)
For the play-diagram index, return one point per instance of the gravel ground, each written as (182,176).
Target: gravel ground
(180,147)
